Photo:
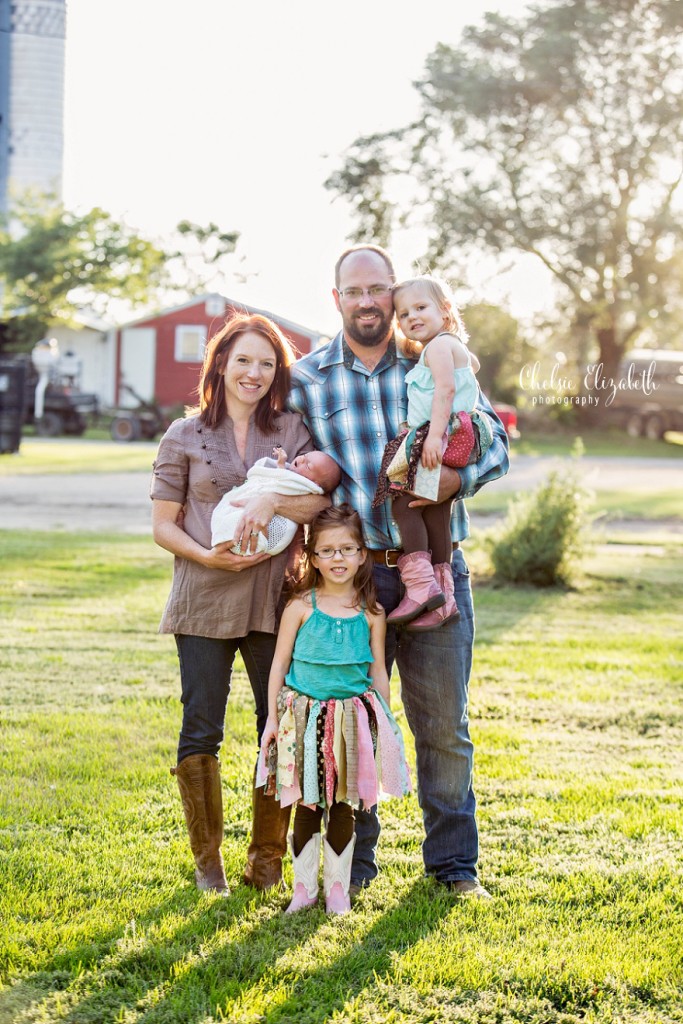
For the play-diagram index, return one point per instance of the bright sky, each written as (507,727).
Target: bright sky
(237,113)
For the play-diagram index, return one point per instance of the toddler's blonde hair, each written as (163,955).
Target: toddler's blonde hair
(440,293)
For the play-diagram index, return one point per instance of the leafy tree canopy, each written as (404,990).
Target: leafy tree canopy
(500,347)
(558,134)
(196,262)
(55,262)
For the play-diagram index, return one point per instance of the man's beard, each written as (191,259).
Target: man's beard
(369,337)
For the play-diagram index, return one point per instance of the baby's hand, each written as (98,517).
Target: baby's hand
(281,455)
(431,452)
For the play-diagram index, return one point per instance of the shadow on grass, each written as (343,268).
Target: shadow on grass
(63,970)
(114,972)
(274,959)
(196,971)
(325,990)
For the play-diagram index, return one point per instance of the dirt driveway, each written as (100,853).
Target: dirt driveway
(119,502)
(98,502)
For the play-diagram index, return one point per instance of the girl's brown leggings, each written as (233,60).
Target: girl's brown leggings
(340,824)
(427,528)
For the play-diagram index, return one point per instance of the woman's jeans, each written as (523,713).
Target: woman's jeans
(205,673)
(434,668)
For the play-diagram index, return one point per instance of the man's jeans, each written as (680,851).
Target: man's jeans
(434,668)
(205,672)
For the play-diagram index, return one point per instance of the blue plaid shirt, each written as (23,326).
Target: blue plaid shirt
(351,413)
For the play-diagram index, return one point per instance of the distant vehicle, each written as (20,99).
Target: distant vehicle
(54,402)
(141,423)
(507,414)
(649,397)
(66,410)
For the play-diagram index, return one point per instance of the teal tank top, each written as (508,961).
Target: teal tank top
(420,385)
(331,657)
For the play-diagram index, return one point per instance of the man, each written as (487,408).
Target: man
(352,396)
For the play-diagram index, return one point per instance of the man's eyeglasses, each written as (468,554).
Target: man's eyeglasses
(378,291)
(346,551)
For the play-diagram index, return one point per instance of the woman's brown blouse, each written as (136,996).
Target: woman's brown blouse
(195,466)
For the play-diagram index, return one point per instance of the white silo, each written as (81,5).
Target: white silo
(31,96)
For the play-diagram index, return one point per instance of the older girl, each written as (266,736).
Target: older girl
(334,738)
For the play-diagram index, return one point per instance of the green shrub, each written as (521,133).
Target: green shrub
(543,537)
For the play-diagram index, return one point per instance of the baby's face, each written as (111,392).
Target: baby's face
(312,466)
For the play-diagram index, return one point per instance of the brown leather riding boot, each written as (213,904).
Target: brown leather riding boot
(199,782)
(270,823)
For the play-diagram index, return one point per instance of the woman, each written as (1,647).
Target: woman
(222,602)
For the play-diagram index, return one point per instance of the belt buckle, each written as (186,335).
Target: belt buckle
(395,556)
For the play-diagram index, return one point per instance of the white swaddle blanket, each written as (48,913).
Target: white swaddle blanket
(264,477)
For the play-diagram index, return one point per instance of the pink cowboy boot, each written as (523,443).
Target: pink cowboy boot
(448,612)
(422,594)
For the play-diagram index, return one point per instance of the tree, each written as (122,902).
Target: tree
(197,261)
(500,347)
(54,262)
(559,134)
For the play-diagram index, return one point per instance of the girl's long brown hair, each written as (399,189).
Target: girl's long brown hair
(212,405)
(330,518)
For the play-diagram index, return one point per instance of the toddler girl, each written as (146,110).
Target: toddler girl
(442,383)
(330,742)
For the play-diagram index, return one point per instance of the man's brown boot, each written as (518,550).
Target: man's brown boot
(270,823)
(199,782)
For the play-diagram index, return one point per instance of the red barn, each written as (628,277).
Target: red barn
(160,356)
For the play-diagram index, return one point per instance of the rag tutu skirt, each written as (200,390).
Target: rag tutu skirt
(327,751)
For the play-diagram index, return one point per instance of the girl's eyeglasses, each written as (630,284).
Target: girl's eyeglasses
(346,551)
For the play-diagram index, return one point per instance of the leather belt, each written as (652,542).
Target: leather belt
(390,556)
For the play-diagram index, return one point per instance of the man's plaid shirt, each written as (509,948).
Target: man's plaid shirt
(352,412)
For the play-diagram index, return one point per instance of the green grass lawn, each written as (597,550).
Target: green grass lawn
(650,504)
(598,443)
(578,722)
(77,455)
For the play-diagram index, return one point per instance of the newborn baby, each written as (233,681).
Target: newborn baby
(313,473)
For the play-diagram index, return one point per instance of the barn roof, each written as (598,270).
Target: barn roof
(234,304)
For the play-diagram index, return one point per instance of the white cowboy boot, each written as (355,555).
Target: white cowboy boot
(306,867)
(337,876)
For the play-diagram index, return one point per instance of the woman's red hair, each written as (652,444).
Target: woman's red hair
(212,405)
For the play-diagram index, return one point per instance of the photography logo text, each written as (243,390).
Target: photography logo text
(556,388)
